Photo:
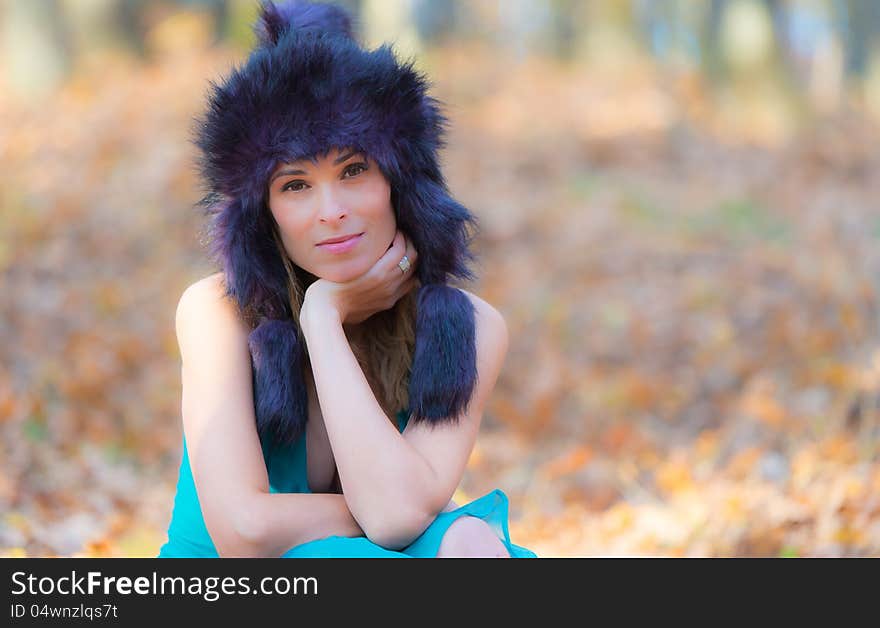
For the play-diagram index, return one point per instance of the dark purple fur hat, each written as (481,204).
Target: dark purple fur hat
(307,87)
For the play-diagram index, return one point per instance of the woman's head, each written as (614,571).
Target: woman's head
(306,88)
(330,196)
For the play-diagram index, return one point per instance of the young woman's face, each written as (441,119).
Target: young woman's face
(341,194)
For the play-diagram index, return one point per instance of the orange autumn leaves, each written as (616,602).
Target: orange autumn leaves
(693,362)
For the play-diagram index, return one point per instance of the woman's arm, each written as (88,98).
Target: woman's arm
(242,516)
(284,520)
(450,506)
(381,475)
(395,484)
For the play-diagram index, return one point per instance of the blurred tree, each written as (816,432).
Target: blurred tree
(798,44)
(610,35)
(742,36)
(236,24)
(566,27)
(36,47)
(434,19)
(672,29)
(860,22)
(390,21)
(167,25)
(713,66)
(526,27)
(132,24)
(100,25)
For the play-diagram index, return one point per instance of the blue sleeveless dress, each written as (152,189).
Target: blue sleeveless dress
(286,466)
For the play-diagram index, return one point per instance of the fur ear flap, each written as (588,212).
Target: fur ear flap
(241,242)
(297,15)
(280,397)
(444,368)
(438,225)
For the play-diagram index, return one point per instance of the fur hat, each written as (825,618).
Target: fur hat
(306,87)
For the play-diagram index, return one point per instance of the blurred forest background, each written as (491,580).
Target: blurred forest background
(679,223)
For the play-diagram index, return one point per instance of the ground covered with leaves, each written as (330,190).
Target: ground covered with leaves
(692,305)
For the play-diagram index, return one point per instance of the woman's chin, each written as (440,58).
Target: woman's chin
(342,275)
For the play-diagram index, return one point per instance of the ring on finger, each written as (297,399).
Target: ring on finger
(404,264)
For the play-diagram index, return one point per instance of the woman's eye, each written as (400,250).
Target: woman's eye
(352,170)
(357,168)
(293,186)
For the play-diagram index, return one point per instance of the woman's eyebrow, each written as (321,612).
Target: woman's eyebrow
(336,162)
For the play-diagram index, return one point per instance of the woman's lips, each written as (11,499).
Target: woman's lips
(342,247)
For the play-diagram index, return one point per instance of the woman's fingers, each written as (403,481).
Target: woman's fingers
(391,260)
(393,255)
(412,255)
(388,273)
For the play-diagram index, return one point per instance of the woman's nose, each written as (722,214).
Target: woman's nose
(330,210)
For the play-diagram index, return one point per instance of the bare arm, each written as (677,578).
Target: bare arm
(378,488)
(228,468)
(289,519)
(395,484)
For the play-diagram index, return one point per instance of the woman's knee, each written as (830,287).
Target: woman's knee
(471,537)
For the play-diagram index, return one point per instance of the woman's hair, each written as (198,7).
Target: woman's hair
(385,348)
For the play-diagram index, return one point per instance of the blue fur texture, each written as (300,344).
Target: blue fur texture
(308,87)
(280,397)
(444,369)
(274,20)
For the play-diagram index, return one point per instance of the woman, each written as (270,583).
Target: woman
(333,383)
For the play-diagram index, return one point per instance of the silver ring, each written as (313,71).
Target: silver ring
(404,264)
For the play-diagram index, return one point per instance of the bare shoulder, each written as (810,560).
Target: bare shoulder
(205,295)
(491,329)
(487,314)
(204,309)
(207,287)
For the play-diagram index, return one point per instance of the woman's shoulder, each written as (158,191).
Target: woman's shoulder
(208,291)
(212,283)
(488,318)
(482,307)
(205,303)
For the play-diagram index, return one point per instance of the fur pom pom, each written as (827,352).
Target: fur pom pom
(299,16)
(280,397)
(444,369)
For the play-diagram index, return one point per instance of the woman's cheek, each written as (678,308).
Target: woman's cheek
(293,235)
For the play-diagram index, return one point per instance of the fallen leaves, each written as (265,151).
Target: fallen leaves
(693,369)
(568,463)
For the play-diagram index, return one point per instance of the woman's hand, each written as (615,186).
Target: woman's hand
(376,290)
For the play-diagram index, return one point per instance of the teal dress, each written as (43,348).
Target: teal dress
(188,537)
